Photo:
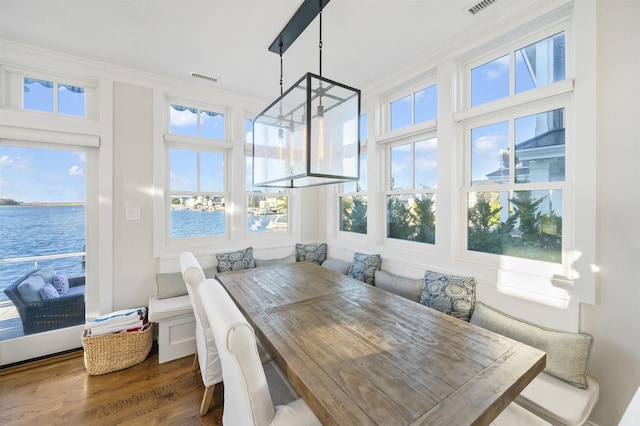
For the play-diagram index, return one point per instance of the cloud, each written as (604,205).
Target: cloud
(14,163)
(183,118)
(76,171)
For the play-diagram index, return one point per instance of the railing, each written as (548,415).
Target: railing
(35,259)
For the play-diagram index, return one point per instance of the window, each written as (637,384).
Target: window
(43,220)
(415,108)
(197,173)
(533,66)
(267,208)
(353,198)
(515,186)
(196,122)
(410,197)
(39,95)
(523,218)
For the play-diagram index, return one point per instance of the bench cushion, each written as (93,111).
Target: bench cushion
(405,287)
(337,265)
(567,353)
(557,401)
(271,262)
(161,309)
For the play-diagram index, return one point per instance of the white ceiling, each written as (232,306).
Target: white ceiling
(363,40)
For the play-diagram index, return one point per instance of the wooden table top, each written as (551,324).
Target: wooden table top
(360,355)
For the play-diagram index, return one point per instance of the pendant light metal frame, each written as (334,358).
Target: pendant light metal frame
(300,116)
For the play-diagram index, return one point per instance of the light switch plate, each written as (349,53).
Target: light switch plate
(132,213)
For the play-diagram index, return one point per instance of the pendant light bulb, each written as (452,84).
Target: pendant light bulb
(320,135)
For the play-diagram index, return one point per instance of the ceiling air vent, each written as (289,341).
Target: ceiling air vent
(479,6)
(203,76)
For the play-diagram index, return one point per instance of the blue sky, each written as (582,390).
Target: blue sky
(42,175)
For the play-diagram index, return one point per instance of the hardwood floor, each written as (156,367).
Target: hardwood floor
(60,392)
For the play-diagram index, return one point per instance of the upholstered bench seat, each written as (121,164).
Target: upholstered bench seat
(162,309)
(557,401)
(562,394)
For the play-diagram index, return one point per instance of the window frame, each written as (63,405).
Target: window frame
(509,48)
(357,193)
(522,265)
(198,144)
(416,133)
(545,282)
(409,92)
(13,100)
(340,189)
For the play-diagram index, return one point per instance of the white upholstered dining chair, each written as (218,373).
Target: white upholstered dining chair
(206,356)
(247,398)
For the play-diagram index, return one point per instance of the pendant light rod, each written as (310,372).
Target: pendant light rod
(320,35)
(305,14)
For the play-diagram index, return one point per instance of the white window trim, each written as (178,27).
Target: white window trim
(199,146)
(163,244)
(12,102)
(339,193)
(410,135)
(542,282)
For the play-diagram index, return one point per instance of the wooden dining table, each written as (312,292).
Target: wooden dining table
(359,355)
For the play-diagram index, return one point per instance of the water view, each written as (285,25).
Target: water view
(27,231)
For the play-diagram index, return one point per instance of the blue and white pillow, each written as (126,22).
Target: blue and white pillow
(236,260)
(450,294)
(364,267)
(316,253)
(48,291)
(61,283)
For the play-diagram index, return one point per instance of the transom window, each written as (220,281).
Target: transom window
(417,107)
(530,67)
(196,122)
(51,96)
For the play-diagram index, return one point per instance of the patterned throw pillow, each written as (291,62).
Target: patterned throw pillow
(364,267)
(450,294)
(236,260)
(316,253)
(48,291)
(61,283)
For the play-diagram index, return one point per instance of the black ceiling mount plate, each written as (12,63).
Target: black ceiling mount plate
(305,14)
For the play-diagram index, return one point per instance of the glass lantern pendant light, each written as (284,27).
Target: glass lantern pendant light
(309,135)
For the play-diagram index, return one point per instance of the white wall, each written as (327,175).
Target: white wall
(613,321)
(134,265)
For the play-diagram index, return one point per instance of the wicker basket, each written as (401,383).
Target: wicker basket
(116,351)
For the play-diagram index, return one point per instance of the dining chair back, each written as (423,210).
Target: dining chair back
(206,356)
(247,400)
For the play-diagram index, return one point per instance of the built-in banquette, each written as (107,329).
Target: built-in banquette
(563,394)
